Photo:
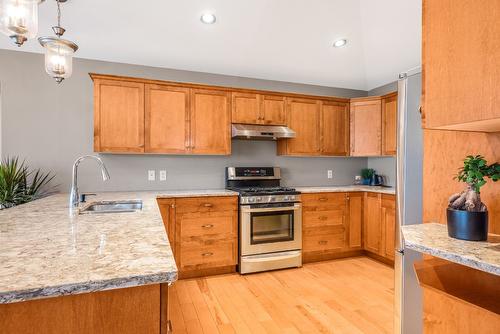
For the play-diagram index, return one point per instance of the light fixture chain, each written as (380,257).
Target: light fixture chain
(58,13)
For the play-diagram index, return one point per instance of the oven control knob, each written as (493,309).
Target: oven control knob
(251,199)
(291,198)
(259,199)
(286,198)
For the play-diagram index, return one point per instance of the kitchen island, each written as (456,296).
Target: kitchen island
(461,285)
(103,272)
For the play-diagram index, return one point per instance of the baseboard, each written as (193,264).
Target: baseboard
(308,257)
(379,258)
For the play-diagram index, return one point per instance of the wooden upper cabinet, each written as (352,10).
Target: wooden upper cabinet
(303,117)
(245,108)
(118,116)
(389,123)
(273,109)
(460,81)
(210,122)
(366,126)
(372,223)
(167,119)
(248,108)
(334,128)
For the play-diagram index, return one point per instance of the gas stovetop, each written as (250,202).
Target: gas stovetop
(259,185)
(259,191)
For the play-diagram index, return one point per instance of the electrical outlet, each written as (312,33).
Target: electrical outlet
(151,175)
(163,175)
(330,174)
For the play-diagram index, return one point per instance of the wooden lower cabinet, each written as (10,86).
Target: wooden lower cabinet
(326,226)
(458,299)
(142,309)
(379,224)
(388,224)
(203,232)
(372,223)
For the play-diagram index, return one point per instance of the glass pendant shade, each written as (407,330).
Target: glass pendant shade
(19,19)
(58,57)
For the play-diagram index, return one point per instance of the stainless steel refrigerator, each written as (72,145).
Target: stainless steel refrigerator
(407,293)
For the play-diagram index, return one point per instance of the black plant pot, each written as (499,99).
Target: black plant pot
(466,225)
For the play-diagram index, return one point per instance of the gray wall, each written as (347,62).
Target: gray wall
(385,165)
(51,125)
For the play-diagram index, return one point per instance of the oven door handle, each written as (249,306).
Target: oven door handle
(281,208)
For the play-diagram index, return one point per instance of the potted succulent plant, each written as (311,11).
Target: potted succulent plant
(19,184)
(467,215)
(366,175)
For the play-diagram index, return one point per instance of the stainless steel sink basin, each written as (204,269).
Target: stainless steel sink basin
(113,206)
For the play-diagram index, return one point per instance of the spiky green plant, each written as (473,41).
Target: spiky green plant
(19,184)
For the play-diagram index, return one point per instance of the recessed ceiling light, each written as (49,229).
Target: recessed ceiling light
(340,43)
(208,18)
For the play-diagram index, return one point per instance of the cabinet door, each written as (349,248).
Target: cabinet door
(167,119)
(461,83)
(334,128)
(389,124)
(118,116)
(303,117)
(246,108)
(273,110)
(366,127)
(372,228)
(210,122)
(355,201)
(388,216)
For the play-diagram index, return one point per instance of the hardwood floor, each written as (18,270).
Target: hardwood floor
(353,295)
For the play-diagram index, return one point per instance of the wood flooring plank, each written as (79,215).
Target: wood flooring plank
(353,295)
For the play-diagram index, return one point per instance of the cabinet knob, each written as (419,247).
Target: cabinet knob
(207,226)
(207,254)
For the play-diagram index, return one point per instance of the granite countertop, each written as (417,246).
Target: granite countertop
(433,239)
(353,188)
(196,193)
(44,252)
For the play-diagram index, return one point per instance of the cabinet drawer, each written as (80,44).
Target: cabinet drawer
(313,243)
(323,218)
(206,204)
(324,230)
(195,225)
(323,201)
(215,255)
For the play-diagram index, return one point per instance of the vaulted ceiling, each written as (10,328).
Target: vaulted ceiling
(287,40)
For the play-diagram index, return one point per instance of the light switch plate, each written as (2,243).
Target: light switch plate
(163,175)
(330,174)
(151,175)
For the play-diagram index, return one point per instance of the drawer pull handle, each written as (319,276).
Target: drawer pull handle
(322,242)
(208,205)
(323,199)
(323,218)
(207,254)
(207,226)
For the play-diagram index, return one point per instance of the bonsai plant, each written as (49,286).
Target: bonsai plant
(467,215)
(367,174)
(19,184)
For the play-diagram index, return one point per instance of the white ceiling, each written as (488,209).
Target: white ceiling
(287,40)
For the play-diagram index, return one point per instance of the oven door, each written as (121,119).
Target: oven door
(270,228)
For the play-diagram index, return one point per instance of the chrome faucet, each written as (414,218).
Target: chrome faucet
(74,198)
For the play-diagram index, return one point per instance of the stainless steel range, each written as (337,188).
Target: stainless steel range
(270,224)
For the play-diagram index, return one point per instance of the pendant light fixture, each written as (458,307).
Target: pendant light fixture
(58,52)
(19,19)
